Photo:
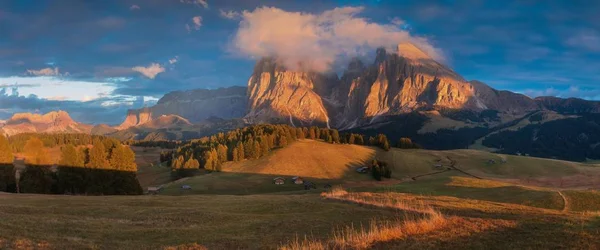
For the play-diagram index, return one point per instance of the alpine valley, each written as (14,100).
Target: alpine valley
(402,93)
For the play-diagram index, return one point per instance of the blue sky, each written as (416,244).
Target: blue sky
(96,59)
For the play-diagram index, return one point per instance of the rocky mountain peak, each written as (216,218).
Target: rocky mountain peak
(51,122)
(410,51)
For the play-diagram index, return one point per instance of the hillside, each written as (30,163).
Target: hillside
(326,161)
(477,203)
(336,163)
(223,221)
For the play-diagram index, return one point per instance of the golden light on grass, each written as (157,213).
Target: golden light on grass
(420,219)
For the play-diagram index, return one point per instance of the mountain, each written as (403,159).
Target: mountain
(277,95)
(406,93)
(52,122)
(193,105)
(173,127)
(398,82)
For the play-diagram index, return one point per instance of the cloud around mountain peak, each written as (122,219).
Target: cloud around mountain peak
(316,41)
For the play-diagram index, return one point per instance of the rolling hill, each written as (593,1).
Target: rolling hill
(478,203)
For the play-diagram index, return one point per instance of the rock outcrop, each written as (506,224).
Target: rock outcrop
(396,82)
(193,106)
(278,95)
(52,122)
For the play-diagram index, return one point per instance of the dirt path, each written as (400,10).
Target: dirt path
(414,178)
(453,166)
(566,208)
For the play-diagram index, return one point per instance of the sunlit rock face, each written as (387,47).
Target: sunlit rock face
(403,81)
(278,95)
(193,106)
(396,82)
(52,122)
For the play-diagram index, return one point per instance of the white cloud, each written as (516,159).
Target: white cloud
(572,91)
(317,40)
(197,2)
(231,15)
(150,71)
(197,22)
(44,72)
(587,39)
(398,22)
(174,60)
(134,7)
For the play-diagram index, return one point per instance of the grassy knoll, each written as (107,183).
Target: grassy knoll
(307,158)
(517,169)
(446,184)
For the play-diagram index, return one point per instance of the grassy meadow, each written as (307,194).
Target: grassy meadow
(511,202)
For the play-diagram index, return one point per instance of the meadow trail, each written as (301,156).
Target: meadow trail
(566,208)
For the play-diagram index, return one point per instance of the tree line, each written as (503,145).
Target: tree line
(104,167)
(18,141)
(256,141)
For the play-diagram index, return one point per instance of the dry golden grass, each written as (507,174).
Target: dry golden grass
(422,220)
(24,244)
(193,246)
(310,159)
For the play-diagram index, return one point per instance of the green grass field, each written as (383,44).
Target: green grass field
(448,184)
(241,208)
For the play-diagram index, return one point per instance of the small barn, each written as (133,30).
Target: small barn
(279,180)
(154,190)
(298,180)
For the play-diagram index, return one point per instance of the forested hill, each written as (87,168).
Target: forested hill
(87,165)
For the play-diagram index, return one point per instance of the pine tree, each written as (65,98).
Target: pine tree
(335,136)
(249,148)
(235,155)
(98,157)
(209,163)
(177,163)
(372,141)
(386,145)
(191,164)
(282,141)
(35,152)
(6,155)
(351,139)
(264,146)
(216,165)
(299,133)
(311,134)
(241,153)
(130,164)
(122,158)
(222,153)
(69,157)
(360,140)
(256,150)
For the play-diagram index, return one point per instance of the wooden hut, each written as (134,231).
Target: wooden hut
(279,180)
